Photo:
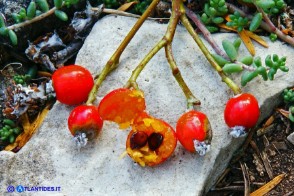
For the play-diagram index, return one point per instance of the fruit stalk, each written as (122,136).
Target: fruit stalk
(205,32)
(114,59)
(136,72)
(191,99)
(231,84)
(177,11)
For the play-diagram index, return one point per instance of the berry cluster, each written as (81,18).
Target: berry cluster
(150,141)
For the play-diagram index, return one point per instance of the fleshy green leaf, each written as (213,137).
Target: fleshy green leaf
(247,60)
(230,50)
(247,77)
(232,68)
(256,21)
(220,60)
(61,15)
(13,37)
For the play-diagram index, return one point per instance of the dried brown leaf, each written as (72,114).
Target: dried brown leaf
(247,42)
(269,121)
(257,38)
(268,186)
(283,112)
(29,129)
(127,6)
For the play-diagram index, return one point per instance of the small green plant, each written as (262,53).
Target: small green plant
(21,79)
(9,131)
(252,66)
(24,79)
(213,14)
(271,7)
(288,96)
(35,11)
(111,3)
(142,6)
(237,21)
(273,37)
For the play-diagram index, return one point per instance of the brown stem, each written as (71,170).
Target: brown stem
(266,24)
(35,19)
(205,32)
(114,59)
(123,13)
(135,74)
(177,11)
(230,83)
(191,99)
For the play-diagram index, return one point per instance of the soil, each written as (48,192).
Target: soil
(266,157)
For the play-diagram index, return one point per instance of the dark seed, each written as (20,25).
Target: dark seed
(138,139)
(155,140)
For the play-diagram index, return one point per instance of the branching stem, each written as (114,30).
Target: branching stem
(191,99)
(114,59)
(267,25)
(123,13)
(206,33)
(231,84)
(35,19)
(177,11)
(132,81)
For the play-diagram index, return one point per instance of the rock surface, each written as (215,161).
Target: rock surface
(50,157)
(290,138)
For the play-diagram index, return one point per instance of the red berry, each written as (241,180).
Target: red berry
(85,120)
(72,84)
(242,110)
(192,128)
(122,106)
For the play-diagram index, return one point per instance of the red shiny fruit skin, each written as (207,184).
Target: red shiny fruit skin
(242,110)
(72,84)
(85,119)
(192,125)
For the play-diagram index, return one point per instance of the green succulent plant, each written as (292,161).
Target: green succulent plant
(273,37)
(253,66)
(140,7)
(237,21)
(213,14)
(271,7)
(9,131)
(34,9)
(288,95)
(111,3)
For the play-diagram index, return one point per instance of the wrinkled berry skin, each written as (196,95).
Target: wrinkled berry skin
(242,110)
(193,125)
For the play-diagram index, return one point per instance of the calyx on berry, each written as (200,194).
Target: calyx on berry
(241,113)
(194,132)
(84,123)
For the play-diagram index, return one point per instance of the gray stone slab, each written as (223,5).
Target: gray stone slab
(50,157)
(290,138)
